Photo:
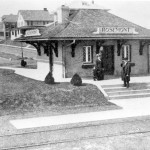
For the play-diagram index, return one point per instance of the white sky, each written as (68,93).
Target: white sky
(137,11)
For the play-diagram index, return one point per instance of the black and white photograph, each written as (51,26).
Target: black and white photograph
(74,74)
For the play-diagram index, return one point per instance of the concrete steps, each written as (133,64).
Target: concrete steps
(117,91)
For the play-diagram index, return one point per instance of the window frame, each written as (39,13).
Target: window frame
(87,58)
(12,33)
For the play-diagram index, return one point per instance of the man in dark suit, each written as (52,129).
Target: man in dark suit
(99,68)
(125,72)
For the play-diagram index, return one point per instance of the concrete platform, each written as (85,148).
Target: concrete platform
(131,108)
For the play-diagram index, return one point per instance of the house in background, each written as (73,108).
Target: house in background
(9,23)
(1,31)
(30,19)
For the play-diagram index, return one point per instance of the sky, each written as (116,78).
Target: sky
(136,11)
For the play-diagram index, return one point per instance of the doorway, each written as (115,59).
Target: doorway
(108,59)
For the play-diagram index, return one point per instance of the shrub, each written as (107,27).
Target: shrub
(23,63)
(49,79)
(76,80)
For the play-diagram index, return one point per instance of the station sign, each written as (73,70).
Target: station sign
(115,30)
(34,32)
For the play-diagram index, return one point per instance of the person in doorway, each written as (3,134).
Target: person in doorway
(98,71)
(125,72)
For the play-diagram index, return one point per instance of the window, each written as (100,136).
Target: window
(12,32)
(1,33)
(7,26)
(12,26)
(126,52)
(87,54)
(7,34)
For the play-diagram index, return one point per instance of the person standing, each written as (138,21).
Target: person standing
(125,72)
(99,68)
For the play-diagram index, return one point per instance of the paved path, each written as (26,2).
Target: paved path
(130,107)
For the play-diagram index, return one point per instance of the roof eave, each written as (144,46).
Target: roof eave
(84,38)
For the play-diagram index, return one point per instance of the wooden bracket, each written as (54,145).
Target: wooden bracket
(54,45)
(142,44)
(73,46)
(119,46)
(36,45)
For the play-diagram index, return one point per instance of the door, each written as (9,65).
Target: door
(108,59)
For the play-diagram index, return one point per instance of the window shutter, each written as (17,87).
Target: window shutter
(92,53)
(89,53)
(122,49)
(84,54)
(130,52)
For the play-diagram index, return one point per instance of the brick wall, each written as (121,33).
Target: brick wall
(74,64)
(141,61)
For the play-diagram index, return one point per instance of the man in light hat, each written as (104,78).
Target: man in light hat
(98,70)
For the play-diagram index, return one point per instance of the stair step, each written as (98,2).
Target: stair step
(116,89)
(129,96)
(112,86)
(128,92)
(121,85)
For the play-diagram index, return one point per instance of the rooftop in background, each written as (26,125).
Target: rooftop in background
(1,27)
(9,18)
(36,15)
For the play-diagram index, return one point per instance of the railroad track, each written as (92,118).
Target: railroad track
(73,134)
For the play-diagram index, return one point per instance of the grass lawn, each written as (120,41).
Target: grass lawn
(15,61)
(20,95)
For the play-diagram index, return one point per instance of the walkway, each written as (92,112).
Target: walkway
(130,107)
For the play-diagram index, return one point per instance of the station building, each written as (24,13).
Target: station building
(77,35)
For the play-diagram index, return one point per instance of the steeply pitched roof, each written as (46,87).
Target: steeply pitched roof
(36,15)
(9,18)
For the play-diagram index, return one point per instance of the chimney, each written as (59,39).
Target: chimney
(63,14)
(45,9)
